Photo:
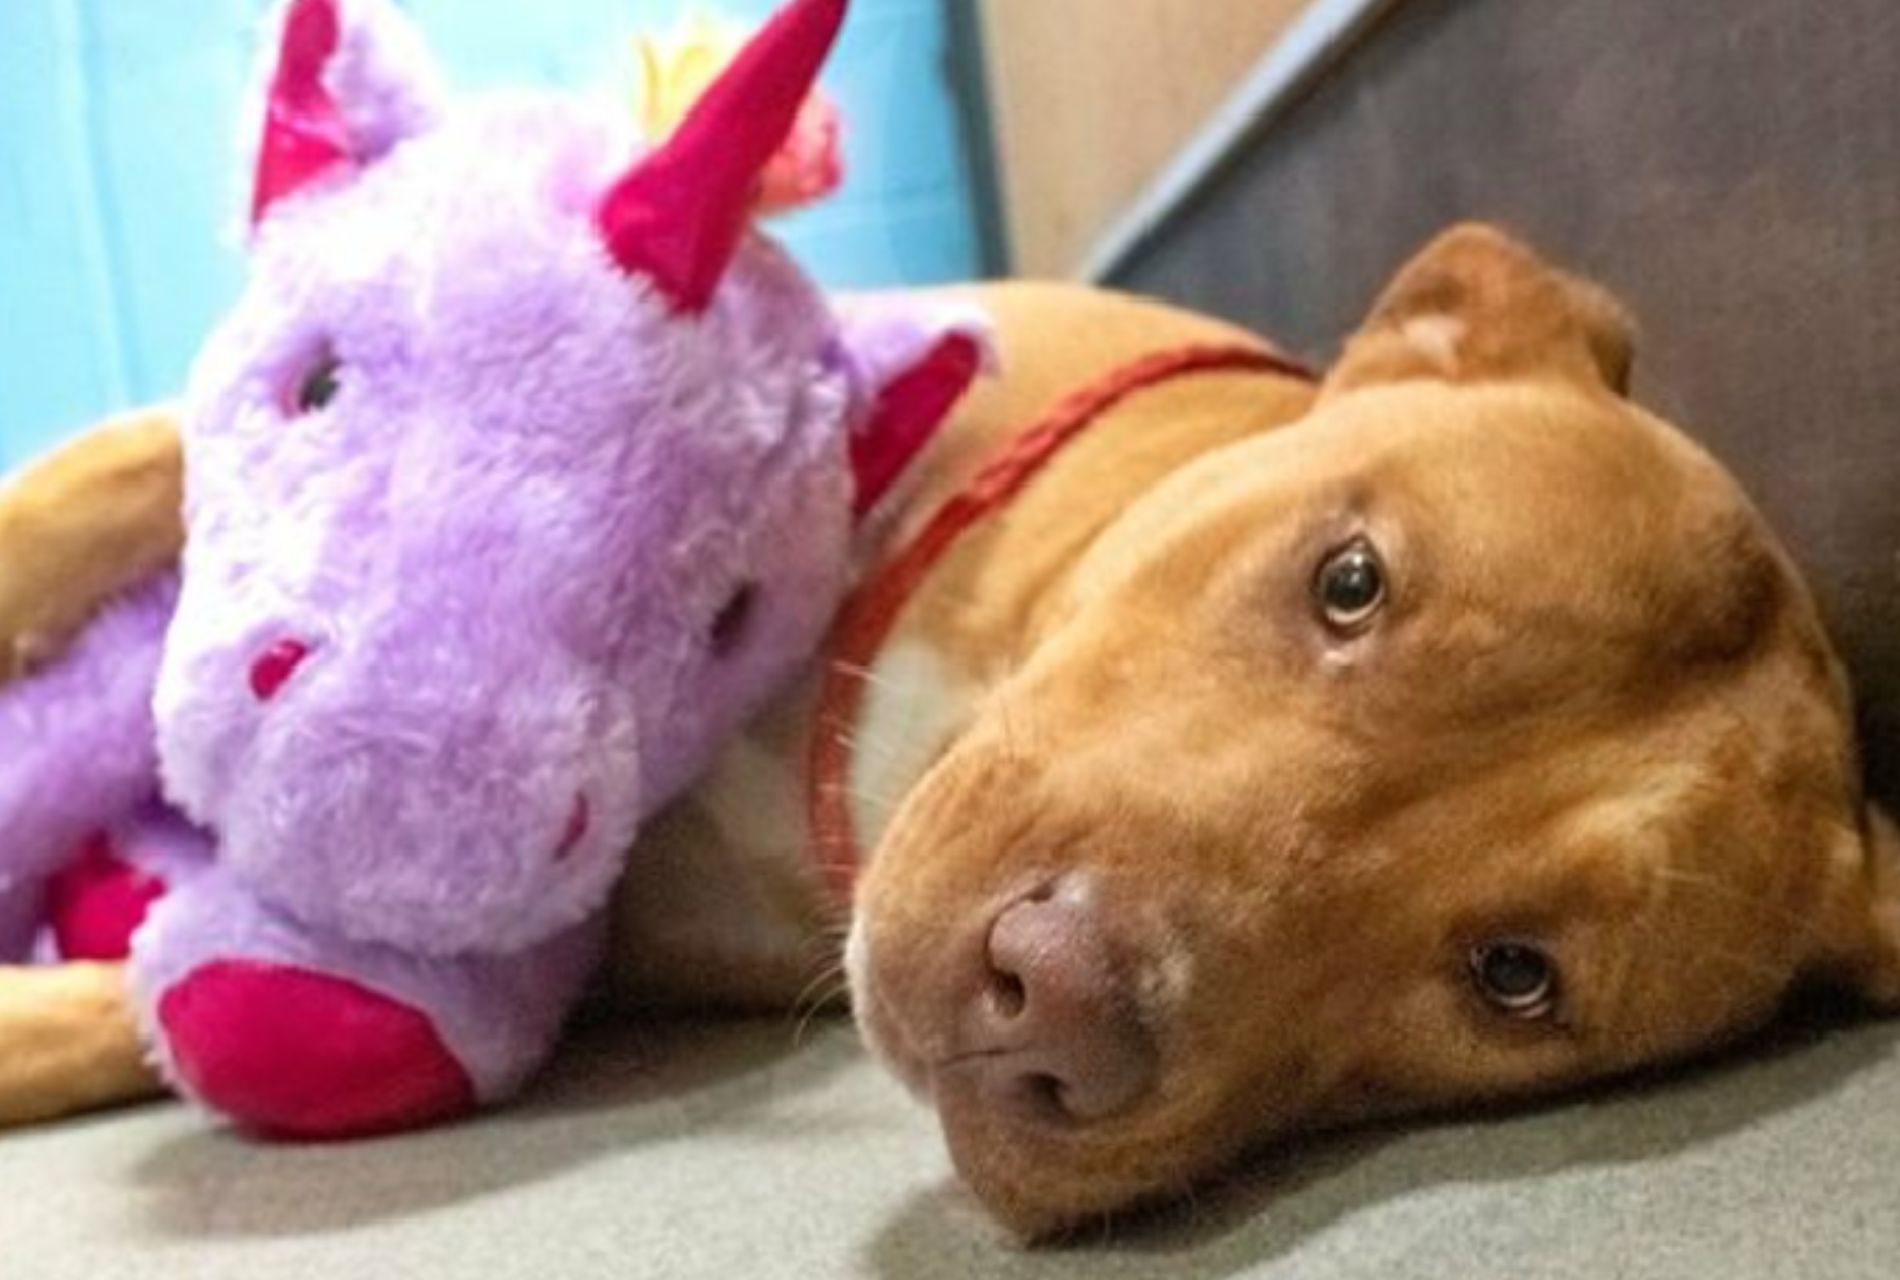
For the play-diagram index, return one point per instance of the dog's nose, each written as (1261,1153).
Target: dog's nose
(1053,1029)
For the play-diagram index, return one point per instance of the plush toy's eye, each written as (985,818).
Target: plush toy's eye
(1350,586)
(317,386)
(1516,978)
(729,626)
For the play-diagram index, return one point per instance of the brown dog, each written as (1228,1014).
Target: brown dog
(1471,736)
(1283,756)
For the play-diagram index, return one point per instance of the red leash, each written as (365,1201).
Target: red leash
(871,612)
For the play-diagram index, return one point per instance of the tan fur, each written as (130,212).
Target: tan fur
(1599,712)
(67,1043)
(84,523)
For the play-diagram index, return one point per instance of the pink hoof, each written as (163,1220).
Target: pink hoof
(297,1054)
(95,904)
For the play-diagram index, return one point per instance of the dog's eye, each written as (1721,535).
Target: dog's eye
(729,626)
(317,385)
(1516,978)
(1350,585)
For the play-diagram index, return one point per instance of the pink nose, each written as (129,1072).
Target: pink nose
(275,666)
(1054,1031)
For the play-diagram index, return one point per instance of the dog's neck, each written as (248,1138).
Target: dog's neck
(995,597)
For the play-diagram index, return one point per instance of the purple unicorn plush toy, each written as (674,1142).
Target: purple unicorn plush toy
(521,474)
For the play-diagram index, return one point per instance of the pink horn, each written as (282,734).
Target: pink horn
(304,132)
(679,214)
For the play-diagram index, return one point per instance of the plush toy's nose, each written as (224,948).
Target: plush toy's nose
(275,666)
(1053,1027)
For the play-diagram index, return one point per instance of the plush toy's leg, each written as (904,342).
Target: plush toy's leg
(300,1034)
(68,1039)
(77,743)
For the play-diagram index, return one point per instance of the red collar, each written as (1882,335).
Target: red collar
(871,612)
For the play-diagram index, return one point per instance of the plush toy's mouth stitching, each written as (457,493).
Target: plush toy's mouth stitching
(275,666)
(577,824)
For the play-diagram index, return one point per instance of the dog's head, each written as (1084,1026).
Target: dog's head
(1472,737)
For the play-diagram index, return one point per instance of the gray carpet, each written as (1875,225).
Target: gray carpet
(727,1152)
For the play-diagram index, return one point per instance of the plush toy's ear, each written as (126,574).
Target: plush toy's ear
(1475,306)
(1859,933)
(914,360)
(348,81)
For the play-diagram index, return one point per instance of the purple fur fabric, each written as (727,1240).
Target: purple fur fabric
(78,751)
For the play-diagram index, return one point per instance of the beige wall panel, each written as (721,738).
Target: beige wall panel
(1093,96)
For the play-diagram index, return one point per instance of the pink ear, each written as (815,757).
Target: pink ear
(304,131)
(678,216)
(918,358)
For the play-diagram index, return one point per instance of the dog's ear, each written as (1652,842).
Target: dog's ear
(1859,931)
(1477,306)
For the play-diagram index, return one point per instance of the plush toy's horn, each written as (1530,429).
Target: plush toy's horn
(678,215)
(304,131)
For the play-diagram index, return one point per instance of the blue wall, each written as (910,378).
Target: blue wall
(120,188)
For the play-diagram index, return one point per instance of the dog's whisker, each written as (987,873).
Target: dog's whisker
(1716,888)
(815,1007)
(1741,963)
(824,974)
(1197,1212)
(865,744)
(1736,961)
(864,795)
(1011,749)
(827,934)
(816,992)
(869,675)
